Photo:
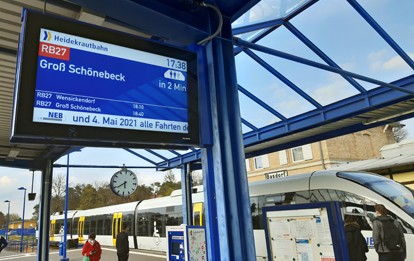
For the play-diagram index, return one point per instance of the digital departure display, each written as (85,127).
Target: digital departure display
(91,83)
(84,85)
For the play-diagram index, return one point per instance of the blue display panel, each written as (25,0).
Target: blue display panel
(86,85)
(92,83)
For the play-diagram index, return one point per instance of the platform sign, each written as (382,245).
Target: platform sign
(311,231)
(100,86)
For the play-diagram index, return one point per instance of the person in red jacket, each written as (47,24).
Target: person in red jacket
(92,248)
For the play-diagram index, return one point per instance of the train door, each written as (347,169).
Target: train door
(52,230)
(198,214)
(81,225)
(116,226)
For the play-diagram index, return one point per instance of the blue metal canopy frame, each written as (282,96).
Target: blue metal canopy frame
(380,97)
(184,23)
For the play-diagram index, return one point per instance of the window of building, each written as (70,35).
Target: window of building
(247,165)
(283,157)
(302,153)
(261,162)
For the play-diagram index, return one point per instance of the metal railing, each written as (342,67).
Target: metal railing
(29,245)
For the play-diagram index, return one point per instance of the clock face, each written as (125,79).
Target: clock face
(124,182)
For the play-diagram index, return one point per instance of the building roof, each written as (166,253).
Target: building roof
(392,155)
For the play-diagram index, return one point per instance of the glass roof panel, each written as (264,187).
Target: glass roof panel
(339,31)
(267,10)
(254,114)
(400,29)
(283,40)
(268,88)
(323,86)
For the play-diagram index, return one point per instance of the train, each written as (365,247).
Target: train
(357,193)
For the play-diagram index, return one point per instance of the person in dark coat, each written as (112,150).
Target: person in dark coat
(3,243)
(357,247)
(122,244)
(384,253)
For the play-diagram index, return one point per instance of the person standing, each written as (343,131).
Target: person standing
(357,247)
(3,243)
(92,248)
(388,236)
(122,244)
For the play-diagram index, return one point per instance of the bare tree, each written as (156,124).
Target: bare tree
(170,177)
(58,193)
(59,186)
(197,177)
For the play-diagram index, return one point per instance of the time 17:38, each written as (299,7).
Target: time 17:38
(176,64)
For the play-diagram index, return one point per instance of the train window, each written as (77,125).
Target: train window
(280,199)
(86,230)
(301,197)
(256,205)
(173,219)
(92,227)
(127,219)
(68,226)
(107,225)
(256,216)
(99,228)
(322,195)
(143,225)
(75,226)
(275,199)
(351,203)
(158,223)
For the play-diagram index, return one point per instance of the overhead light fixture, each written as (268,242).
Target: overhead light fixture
(375,120)
(13,153)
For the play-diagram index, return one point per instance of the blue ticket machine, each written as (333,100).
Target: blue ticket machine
(176,243)
(186,243)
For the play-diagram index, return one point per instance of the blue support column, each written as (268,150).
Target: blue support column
(65,220)
(44,213)
(228,215)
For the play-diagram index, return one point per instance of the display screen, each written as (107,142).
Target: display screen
(83,84)
(91,83)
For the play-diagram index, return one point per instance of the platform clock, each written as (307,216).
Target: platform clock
(124,182)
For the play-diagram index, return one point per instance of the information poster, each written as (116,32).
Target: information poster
(85,82)
(197,244)
(302,235)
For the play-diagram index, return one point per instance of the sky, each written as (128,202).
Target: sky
(332,25)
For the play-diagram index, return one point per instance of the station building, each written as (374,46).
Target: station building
(18,224)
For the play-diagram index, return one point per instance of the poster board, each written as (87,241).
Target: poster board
(305,232)
(197,246)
